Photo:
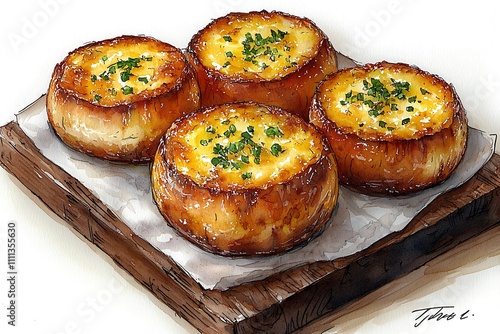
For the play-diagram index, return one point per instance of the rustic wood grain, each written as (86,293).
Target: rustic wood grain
(284,302)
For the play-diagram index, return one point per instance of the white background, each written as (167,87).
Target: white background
(66,285)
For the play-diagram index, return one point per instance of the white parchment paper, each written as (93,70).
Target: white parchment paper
(358,222)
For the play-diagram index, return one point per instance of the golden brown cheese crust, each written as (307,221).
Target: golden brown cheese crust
(267,57)
(114,98)
(233,212)
(389,150)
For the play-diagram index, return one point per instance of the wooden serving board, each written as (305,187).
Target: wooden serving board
(284,302)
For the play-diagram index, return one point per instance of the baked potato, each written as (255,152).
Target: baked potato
(267,57)
(245,179)
(394,128)
(113,99)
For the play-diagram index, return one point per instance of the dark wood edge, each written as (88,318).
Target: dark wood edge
(276,304)
(86,214)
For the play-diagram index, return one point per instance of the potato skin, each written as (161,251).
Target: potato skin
(250,221)
(396,166)
(127,131)
(293,92)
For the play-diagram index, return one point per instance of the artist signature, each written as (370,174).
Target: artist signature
(437,313)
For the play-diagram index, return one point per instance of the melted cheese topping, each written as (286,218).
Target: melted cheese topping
(387,102)
(254,45)
(222,147)
(111,73)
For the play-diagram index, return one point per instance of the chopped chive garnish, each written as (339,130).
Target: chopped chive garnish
(381,97)
(276,149)
(125,67)
(237,152)
(273,131)
(245,159)
(255,46)
(126,90)
(246,175)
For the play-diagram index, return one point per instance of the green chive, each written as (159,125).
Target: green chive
(124,76)
(233,148)
(423,91)
(276,149)
(104,76)
(216,161)
(246,135)
(246,175)
(273,131)
(126,90)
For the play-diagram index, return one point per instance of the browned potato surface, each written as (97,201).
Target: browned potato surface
(114,98)
(245,179)
(268,57)
(394,128)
